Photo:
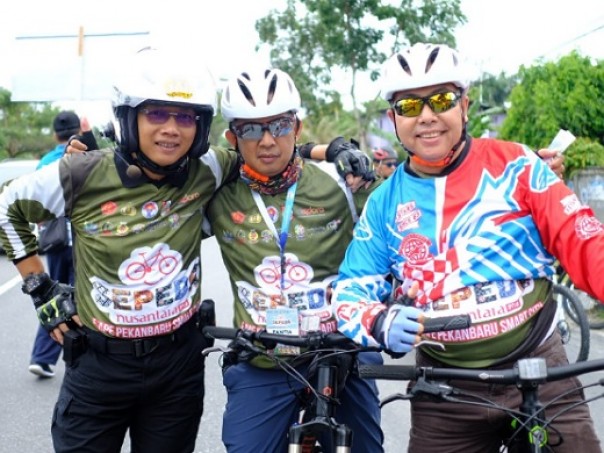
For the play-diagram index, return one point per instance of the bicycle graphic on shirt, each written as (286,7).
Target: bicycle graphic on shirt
(269,272)
(150,265)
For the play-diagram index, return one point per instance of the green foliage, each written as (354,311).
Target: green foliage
(584,152)
(562,95)
(487,98)
(313,39)
(25,128)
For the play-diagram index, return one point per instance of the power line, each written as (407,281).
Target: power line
(576,38)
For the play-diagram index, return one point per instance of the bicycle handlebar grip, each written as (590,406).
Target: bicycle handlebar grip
(388,372)
(224,333)
(447,323)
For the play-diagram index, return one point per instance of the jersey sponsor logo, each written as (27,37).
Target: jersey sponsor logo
(255,218)
(273,213)
(128,210)
(407,216)
(253,236)
(107,228)
(311,211)
(487,330)
(122,229)
(189,197)
(91,228)
(162,328)
(109,208)
(309,299)
(571,204)
(587,226)
(268,273)
(300,232)
(155,287)
(149,266)
(238,217)
(149,209)
(415,248)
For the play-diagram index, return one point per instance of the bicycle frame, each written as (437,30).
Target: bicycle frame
(531,430)
(319,416)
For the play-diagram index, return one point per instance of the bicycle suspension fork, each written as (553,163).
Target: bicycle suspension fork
(302,437)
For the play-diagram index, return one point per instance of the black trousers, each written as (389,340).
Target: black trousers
(158,397)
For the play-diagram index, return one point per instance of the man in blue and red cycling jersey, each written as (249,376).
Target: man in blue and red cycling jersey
(468,226)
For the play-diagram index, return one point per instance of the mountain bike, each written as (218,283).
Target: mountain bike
(529,425)
(318,412)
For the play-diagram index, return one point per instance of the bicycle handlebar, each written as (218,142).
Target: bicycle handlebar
(316,340)
(525,370)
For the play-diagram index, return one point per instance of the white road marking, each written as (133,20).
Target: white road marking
(9,284)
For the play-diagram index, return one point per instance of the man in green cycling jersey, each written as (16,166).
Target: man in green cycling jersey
(130,335)
(282,227)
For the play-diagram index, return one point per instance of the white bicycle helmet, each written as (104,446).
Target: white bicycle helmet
(163,78)
(258,94)
(422,65)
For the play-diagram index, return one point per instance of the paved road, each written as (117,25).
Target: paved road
(26,402)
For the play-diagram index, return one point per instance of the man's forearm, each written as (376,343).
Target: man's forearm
(30,265)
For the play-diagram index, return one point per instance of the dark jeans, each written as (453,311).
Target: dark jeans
(60,268)
(158,396)
(262,404)
(452,427)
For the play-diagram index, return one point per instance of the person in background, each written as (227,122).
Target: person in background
(46,351)
(385,161)
(467,226)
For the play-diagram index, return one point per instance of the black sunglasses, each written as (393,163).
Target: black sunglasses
(254,131)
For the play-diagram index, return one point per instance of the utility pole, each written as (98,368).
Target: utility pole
(79,64)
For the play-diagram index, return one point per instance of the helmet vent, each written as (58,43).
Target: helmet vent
(404,64)
(432,58)
(246,92)
(271,89)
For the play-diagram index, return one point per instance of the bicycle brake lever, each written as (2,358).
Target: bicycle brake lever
(395,397)
(207,351)
(432,343)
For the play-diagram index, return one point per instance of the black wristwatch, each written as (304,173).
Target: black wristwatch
(34,282)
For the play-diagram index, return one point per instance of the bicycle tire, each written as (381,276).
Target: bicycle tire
(571,303)
(594,309)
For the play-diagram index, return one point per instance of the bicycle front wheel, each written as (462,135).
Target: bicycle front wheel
(573,328)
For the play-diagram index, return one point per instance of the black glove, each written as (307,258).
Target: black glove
(53,301)
(87,138)
(349,159)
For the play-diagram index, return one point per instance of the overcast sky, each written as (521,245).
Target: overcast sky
(500,34)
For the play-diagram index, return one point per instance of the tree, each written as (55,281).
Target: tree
(487,99)
(25,128)
(311,39)
(561,95)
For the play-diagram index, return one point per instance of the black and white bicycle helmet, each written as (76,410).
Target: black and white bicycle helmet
(422,65)
(163,78)
(258,94)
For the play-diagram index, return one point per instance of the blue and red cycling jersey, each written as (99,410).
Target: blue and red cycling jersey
(481,240)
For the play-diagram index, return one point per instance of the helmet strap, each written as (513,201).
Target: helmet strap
(180,166)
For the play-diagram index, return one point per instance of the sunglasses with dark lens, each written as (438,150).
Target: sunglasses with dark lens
(158,116)
(390,164)
(254,131)
(439,103)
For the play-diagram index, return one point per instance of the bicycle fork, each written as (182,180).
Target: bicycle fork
(302,437)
